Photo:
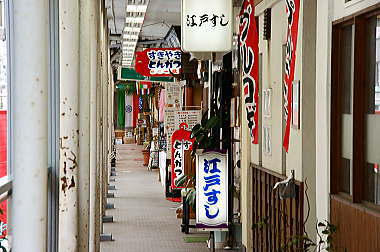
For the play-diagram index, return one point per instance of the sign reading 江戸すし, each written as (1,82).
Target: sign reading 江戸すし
(212,190)
(206,25)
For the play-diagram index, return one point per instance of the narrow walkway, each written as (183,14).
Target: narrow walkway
(144,221)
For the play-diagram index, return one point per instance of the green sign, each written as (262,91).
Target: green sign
(131,74)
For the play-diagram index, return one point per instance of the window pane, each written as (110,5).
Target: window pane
(372,175)
(346,82)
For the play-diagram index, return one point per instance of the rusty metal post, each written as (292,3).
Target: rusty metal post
(69,124)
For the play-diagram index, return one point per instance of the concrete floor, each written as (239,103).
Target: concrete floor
(143,219)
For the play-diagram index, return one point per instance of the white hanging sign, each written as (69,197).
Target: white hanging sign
(207,26)
(212,190)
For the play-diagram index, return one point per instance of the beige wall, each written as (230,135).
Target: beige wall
(301,155)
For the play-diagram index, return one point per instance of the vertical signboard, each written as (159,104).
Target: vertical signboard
(206,25)
(249,51)
(212,190)
(181,142)
(173,104)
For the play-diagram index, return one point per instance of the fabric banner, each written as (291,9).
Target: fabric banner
(128,111)
(249,51)
(121,108)
(292,12)
(143,87)
(135,110)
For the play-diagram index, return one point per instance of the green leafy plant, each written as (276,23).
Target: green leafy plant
(188,193)
(202,133)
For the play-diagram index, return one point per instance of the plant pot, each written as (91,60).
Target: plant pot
(146,154)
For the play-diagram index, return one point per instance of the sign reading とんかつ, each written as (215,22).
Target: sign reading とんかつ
(206,25)
(212,190)
(181,142)
(160,62)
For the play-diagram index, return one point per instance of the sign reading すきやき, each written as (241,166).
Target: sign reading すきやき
(212,190)
(206,25)
(158,62)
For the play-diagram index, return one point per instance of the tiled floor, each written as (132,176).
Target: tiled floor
(144,220)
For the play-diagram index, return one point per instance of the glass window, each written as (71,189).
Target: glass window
(346,88)
(372,126)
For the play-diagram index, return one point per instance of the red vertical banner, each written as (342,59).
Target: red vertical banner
(135,110)
(249,52)
(292,12)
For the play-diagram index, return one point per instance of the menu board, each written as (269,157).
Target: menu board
(190,117)
(173,95)
(173,104)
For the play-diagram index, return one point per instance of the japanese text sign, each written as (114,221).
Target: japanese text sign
(212,190)
(206,25)
(249,51)
(181,142)
(159,62)
(190,117)
(292,12)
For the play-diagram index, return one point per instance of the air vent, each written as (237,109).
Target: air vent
(267,24)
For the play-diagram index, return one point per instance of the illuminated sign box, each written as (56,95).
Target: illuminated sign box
(212,190)
(206,25)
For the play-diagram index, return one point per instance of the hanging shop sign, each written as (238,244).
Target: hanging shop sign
(292,11)
(181,142)
(212,190)
(190,117)
(249,51)
(159,62)
(126,74)
(206,25)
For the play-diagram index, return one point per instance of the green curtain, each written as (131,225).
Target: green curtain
(121,107)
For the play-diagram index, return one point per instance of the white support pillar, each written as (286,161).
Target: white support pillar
(104,114)
(69,125)
(93,221)
(323,110)
(84,125)
(29,124)
(99,187)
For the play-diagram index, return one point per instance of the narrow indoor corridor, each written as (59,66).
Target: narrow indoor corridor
(143,219)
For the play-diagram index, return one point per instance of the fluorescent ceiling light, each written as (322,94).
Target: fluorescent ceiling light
(129,36)
(134,20)
(132,29)
(137,8)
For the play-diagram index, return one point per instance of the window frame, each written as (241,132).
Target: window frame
(359,107)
